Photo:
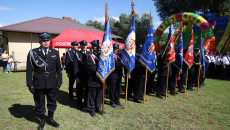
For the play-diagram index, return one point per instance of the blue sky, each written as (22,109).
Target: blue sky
(15,11)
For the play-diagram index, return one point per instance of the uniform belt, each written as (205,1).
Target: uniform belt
(45,73)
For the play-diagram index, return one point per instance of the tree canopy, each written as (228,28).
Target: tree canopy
(166,8)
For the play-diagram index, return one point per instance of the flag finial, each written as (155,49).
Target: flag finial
(132,5)
(106,7)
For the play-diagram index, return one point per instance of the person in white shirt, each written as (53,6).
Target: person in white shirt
(212,64)
(225,67)
(207,63)
(218,62)
(10,61)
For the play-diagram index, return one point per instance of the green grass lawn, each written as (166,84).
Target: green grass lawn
(208,108)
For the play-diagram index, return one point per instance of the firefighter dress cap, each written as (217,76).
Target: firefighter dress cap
(44,36)
(75,43)
(83,42)
(115,46)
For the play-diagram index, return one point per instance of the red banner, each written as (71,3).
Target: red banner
(188,59)
(170,52)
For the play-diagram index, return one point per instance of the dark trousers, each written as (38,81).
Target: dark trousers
(225,72)
(212,69)
(4,64)
(139,87)
(82,91)
(94,101)
(150,83)
(71,83)
(182,80)
(39,99)
(217,71)
(115,86)
(161,87)
(191,77)
(131,86)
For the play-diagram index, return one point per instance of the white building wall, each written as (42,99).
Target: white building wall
(20,44)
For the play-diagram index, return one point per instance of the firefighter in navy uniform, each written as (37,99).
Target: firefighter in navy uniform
(44,78)
(115,79)
(94,100)
(162,75)
(192,74)
(81,75)
(138,89)
(69,62)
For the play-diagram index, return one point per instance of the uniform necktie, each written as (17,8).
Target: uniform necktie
(45,52)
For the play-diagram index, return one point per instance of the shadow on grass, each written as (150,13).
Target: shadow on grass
(63,98)
(24,111)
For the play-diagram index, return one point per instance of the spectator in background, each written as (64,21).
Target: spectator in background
(10,60)
(63,61)
(5,57)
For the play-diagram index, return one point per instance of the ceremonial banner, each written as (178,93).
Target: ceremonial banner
(169,51)
(106,63)
(147,56)
(188,59)
(128,56)
(202,59)
(179,55)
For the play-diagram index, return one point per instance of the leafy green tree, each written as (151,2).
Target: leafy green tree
(95,24)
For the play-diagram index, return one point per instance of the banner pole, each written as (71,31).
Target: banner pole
(198,84)
(103,99)
(146,74)
(126,91)
(167,82)
(186,81)
(176,83)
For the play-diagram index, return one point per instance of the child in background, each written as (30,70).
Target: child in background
(10,60)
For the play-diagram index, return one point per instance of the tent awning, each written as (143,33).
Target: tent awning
(64,39)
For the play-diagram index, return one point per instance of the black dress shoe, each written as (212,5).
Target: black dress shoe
(113,105)
(52,122)
(92,113)
(100,111)
(192,89)
(163,94)
(137,101)
(120,104)
(143,100)
(159,96)
(41,124)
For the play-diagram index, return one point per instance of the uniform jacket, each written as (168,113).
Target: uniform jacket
(80,69)
(69,60)
(117,73)
(92,64)
(162,68)
(37,63)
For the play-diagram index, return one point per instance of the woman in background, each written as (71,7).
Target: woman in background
(5,57)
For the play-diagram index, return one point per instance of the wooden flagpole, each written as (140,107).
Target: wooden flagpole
(103,99)
(176,83)
(127,80)
(168,70)
(198,84)
(167,82)
(146,74)
(186,82)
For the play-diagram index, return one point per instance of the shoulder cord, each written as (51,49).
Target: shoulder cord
(77,56)
(70,56)
(32,56)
